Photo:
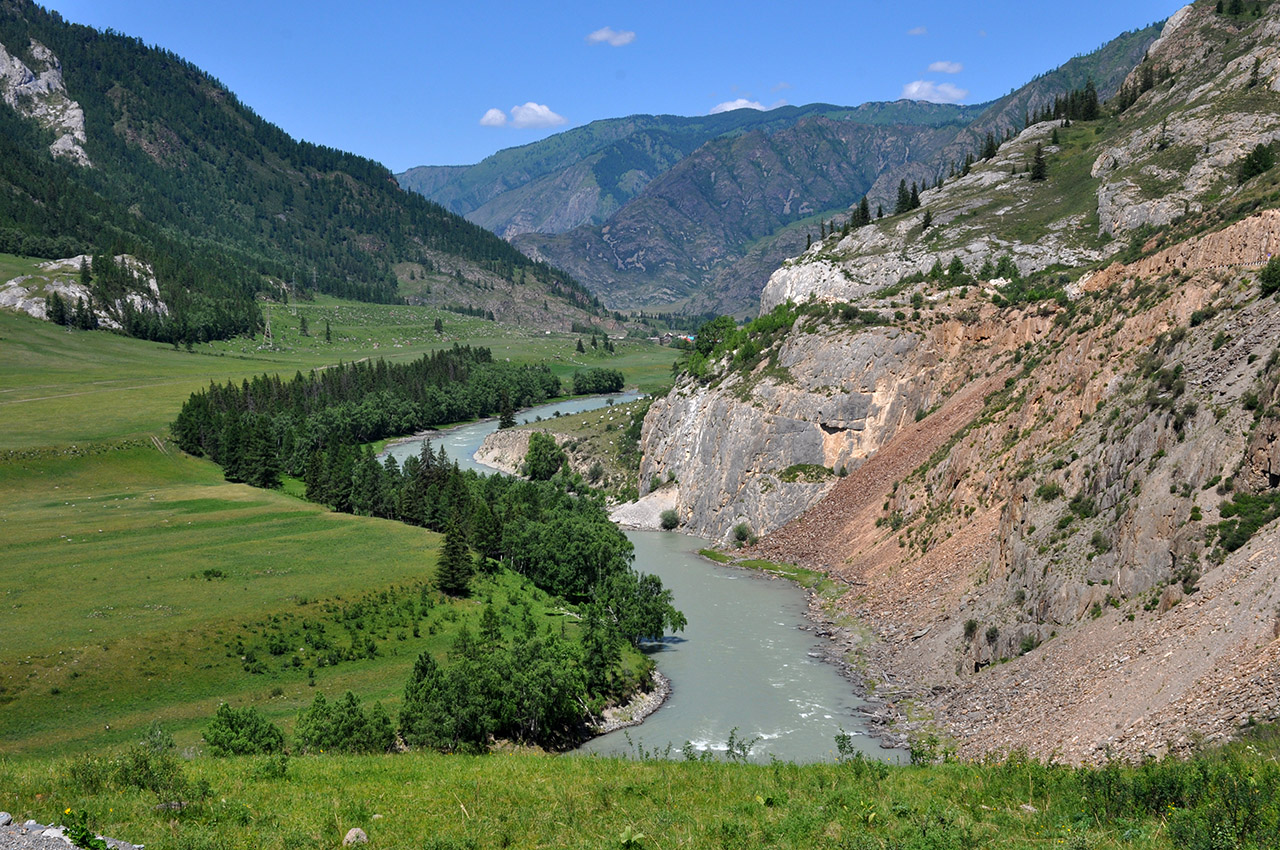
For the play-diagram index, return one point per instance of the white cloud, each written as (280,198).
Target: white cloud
(493,118)
(946,67)
(917,31)
(611,36)
(781,87)
(740,103)
(934,92)
(535,115)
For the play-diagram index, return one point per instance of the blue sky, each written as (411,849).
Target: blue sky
(428,83)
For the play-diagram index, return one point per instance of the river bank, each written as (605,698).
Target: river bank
(840,649)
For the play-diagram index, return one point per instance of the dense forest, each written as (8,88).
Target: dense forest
(219,201)
(267,426)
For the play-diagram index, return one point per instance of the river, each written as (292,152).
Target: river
(745,661)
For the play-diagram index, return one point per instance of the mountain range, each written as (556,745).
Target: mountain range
(693,214)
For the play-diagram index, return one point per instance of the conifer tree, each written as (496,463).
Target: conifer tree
(927,221)
(904,199)
(864,211)
(327,335)
(453,569)
(915,197)
(1039,170)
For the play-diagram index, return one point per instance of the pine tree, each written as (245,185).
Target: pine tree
(55,309)
(989,148)
(581,350)
(328,337)
(915,197)
(864,211)
(302,326)
(927,221)
(507,414)
(453,568)
(904,199)
(439,326)
(1039,169)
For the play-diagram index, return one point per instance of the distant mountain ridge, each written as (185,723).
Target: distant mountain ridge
(663,212)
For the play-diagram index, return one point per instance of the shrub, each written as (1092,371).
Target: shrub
(670,520)
(970,628)
(344,727)
(242,731)
(993,633)
(1269,277)
(1049,491)
(743,534)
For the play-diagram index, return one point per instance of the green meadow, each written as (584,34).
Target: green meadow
(62,387)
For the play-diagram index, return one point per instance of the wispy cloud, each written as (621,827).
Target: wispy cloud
(934,92)
(611,36)
(740,103)
(946,67)
(537,115)
(493,118)
(782,86)
(917,31)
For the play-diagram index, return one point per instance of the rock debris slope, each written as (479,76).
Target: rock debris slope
(1055,409)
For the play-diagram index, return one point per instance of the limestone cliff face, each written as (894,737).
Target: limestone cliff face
(761,448)
(1157,173)
(30,293)
(38,92)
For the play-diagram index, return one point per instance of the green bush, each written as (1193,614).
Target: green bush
(242,732)
(1269,277)
(670,520)
(344,727)
(544,458)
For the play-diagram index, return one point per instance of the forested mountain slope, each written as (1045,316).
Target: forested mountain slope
(109,145)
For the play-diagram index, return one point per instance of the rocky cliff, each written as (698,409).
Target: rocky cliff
(41,95)
(1055,525)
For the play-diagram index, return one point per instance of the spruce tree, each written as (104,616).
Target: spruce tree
(1039,170)
(915,197)
(453,569)
(864,211)
(904,199)
(327,335)
(927,221)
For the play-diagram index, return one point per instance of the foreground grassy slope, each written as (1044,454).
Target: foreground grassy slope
(108,617)
(1223,799)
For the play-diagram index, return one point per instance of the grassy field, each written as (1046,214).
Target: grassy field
(453,802)
(60,387)
(109,620)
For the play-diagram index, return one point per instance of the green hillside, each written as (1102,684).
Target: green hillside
(221,202)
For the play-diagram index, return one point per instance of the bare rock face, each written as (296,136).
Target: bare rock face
(40,94)
(762,448)
(29,293)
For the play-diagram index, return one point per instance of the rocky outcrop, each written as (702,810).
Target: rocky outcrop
(761,448)
(30,293)
(1160,172)
(1246,244)
(37,92)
